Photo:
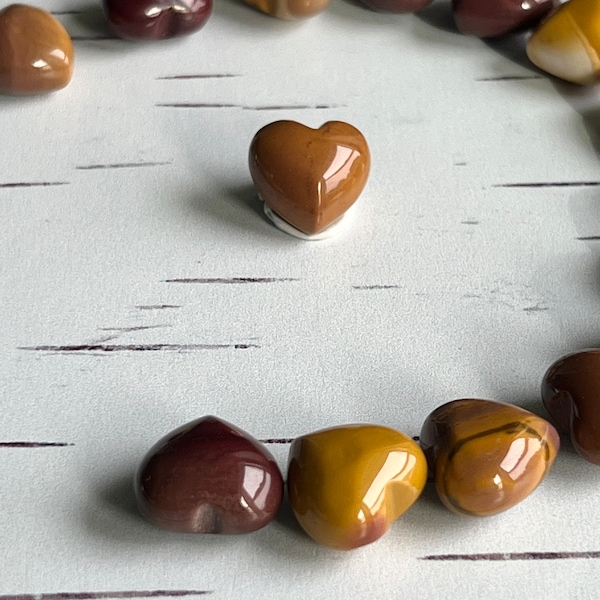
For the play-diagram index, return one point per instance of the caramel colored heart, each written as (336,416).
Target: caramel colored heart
(289,9)
(36,52)
(309,177)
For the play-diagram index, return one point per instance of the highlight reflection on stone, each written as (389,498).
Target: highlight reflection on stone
(571,394)
(485,456)
(209,477)
(567,43)
(309,177)
(490,18)
(36,52)
(348,484)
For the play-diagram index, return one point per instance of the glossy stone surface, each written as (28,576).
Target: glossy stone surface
(348,484)
(309,177)
(571,394)
(209,477)
(397,6)
(567,43)
(490,18)
(486,457)
(156,19)
(36,52)
(289,9)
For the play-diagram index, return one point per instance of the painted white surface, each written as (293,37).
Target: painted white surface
(447,286)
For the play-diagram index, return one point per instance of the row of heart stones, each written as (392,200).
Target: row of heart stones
(347,484)
(36,52)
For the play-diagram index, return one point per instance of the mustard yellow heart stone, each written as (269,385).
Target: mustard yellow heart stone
(486,456)
(348,484)
(567,43)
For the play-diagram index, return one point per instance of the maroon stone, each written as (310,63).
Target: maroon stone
(571,394)
(397,5)
(491,18)
(156,19)
(209,477)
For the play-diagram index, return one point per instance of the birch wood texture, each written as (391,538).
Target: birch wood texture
(141,287)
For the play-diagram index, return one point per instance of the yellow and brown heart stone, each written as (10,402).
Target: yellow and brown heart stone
(36,52)
(348,484)
(485,456)
(309,177)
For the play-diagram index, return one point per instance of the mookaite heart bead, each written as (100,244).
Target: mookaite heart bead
(485,456)
(490,18)
(289,9)
(36,52)
(567,43)
(209,477)
(156,19)
(308,178)
(397,6)
(348,484)
(571,394)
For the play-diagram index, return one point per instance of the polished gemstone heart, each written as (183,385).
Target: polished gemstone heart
(36,52)
(309,177)
(490,18)
(485,456)
(567,43)
(571,394)
(209,477)
(348,484)
(289,9)
(397,6)
(156,19)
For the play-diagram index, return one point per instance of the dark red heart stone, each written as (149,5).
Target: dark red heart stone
(156,19)
(209,477)
(492,18)
(571,394)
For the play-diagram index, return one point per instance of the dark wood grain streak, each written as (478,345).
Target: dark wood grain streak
(265,108)
(589,238)
(201,76)
(498,556)
(277,441)
(469,222)
(512,78)
(157,306)
(130,329)
(549,184)
(34,444)
(29,184)
(231,280)
(138,347)
(106,595)
(122,166)
(376,287)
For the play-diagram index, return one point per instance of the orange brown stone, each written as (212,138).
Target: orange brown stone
(485,456)
(36,52)
(289,9)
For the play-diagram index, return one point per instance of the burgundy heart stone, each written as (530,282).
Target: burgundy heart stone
(397,6)
(209,477)
(156,19)
(491,18)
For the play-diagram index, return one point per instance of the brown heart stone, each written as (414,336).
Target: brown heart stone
(309,177)
(36,52)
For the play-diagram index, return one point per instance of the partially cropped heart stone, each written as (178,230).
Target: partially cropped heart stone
(571,394)
(348,484)
(289,9)
(309,177)
(491,18)
(156,19)
(209,477)
(485,456)
(36,52)
(567,43)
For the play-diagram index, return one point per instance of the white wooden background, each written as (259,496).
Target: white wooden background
(128,218)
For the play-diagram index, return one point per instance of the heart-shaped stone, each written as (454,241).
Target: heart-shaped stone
(309,177)
(36,52)
(491,18)
(156,19)
(289,9)
(485,456)
(397,6)
(348,484)
(209,477)
(571,394)
(567,43)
